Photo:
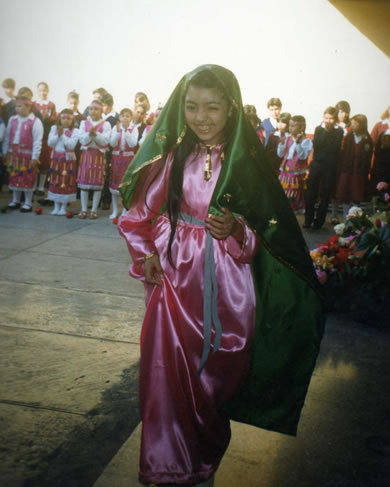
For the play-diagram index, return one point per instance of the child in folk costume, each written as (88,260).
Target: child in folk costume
(63,138)
(294,151)
(123,140)
(274,139)
(47,109)
(355,163)
(22,148)
(94,139)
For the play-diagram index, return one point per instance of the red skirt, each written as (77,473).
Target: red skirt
(21,175)
(91,170)
(62,173)
(120,162)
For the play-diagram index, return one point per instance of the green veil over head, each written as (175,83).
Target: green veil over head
(289,322)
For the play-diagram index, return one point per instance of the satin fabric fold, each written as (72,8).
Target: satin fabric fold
(185,431)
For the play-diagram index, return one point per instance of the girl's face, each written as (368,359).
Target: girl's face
(138,114)
(355,126)
(43,92)
(125,119)
(342,116)
(296,128)
(9,92)
(95,113)
(282,126)
(274,111)
(329,120)
(66,120)
(206,113)
(21,108)
(73,104)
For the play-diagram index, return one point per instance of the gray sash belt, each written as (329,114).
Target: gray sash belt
(210,294)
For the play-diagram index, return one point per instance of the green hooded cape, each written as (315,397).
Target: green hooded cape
(289,317)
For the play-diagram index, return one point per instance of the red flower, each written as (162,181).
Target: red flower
(378,223)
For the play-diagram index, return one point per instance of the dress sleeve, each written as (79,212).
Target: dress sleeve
(84,136)
(245,251)
(71,141)
(103,138)
(281,148)
(304,148)
(53,137)
(131,137)
(114,137)
(37,133)
(136,226)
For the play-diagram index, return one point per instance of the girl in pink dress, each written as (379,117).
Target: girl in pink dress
(21,148)
(294,151)
(193,229)
(63,138)
(94,139)
(123,140)
(47,109)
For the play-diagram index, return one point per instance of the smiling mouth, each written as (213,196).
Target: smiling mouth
(204,129)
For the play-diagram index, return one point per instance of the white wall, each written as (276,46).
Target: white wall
(304,52)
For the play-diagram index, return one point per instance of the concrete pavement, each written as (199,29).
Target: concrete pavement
(69,324)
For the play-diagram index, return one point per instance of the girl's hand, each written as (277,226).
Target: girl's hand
(92,132)
(60,130)
(299,138)
(222,227)
(153,270)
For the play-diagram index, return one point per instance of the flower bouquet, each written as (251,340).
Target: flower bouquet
(353,266)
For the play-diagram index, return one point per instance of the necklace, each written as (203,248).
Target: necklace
(208,168)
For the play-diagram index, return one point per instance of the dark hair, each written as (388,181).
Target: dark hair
(126,110)
(25,91)
(204,79)
(101,91)
(343,106)
(274,102)
(143,106)
(107,99)
(142,98)
(74,94)
(67,111)
(284,117)
(44,84)
(331,111)
(362,121)
(249,109)
(8,83)
(299,119)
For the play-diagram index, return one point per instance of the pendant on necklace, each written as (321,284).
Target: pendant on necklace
(208,170)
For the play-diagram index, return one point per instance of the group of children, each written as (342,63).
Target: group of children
(70,151)
(86,154)
(341,163)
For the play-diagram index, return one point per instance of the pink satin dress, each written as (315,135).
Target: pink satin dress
(185,431)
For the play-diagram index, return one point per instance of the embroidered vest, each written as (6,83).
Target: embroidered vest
(126,148)
(26,137)
(99,128)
